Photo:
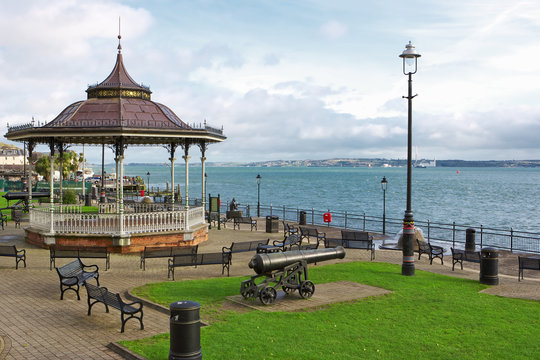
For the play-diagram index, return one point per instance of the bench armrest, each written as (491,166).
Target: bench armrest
(278,242)
(23,251)
(91,266)
(226,249)
(136,302)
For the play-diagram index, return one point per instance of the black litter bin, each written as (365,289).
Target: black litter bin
(470,240)
(302,218)
(272,224)
(87,200)
(489,266)
(185,331)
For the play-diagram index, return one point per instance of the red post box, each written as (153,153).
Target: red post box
(327,217)
(142,192)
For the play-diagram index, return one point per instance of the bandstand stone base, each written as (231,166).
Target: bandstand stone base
(131,243)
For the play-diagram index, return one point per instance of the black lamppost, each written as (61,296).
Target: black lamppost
(384,184)
(148,185)
(410,59)
(259,195)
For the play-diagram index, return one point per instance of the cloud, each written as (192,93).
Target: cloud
(333,30)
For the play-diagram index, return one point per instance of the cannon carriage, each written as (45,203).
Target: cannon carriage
(287,270)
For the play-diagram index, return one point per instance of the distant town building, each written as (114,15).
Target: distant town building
(11,155)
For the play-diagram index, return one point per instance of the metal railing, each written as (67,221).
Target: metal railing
(73,221)
(449,233)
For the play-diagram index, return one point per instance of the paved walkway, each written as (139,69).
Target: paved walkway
(36,324)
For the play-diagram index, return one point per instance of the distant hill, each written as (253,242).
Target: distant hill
(364,162)
(378,162)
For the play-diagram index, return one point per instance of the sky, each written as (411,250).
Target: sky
(304,79)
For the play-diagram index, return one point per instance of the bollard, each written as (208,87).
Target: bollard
(470,240)
(185,330)
(489,266)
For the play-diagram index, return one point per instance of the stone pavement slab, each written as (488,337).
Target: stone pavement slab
(325,294)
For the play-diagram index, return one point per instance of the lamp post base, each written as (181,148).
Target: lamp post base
(407,267)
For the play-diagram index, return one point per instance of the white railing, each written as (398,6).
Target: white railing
(40,218)
(143,222)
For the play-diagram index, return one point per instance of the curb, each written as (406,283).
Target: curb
(124,351)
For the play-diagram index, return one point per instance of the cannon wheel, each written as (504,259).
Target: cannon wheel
(246,289)
(307,288)
(268,295)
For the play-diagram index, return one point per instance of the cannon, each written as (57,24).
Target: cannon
(287,270)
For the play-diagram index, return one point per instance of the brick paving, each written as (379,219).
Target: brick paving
(36,324)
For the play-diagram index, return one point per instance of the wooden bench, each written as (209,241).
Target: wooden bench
(102,295)
(289,243)
(215,217)
(223,259)
(153,252)
(57,252)
(75,274)
(16,216)
(353,239)
(11,251)
(289,230)
(308,233)
(528,262)
(459,256)
(244,220)
(244,246)
(433,251)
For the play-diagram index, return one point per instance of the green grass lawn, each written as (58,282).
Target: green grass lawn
(4,203)
(428,316)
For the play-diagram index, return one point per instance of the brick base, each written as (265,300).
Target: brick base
(137,242)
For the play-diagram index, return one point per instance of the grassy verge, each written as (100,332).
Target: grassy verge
(428,316)
(4,203)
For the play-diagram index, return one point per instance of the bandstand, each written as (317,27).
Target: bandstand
(119,113)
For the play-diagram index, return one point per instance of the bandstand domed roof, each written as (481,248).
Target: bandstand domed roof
(116,107)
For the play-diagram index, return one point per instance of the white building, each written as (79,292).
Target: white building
(11,155)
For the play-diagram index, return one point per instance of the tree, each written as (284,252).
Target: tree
(71,164)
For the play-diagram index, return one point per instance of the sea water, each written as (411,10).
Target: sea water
(501,198)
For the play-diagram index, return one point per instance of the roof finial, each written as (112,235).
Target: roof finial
(119,37)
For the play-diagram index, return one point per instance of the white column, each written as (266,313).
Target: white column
(29,181)
(120,165)
(83,181)
(51,201)
(203,171)
(172,179)
(186,186)
(61,177)
(117,187)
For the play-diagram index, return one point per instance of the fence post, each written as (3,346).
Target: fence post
(270,209)
(297,215)
(481,236)
(312,216)
(511,240)
(364,226)
(345,219)
(454,234)
(247,210)
(284,213)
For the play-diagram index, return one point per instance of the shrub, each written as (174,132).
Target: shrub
(70,197)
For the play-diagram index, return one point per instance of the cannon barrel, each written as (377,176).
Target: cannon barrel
(263,263)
